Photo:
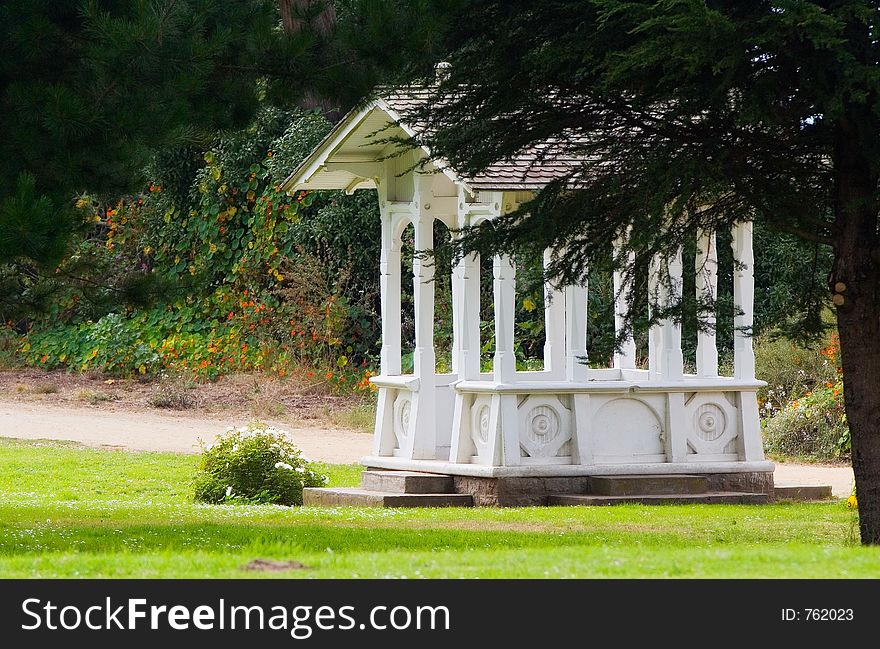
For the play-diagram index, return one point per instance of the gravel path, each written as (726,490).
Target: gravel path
(839,477)
(152,430)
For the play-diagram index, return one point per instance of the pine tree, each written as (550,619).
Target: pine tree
(90,89)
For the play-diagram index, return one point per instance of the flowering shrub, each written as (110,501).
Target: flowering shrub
(254,464)
(792,370)
(813,426)
(233,275)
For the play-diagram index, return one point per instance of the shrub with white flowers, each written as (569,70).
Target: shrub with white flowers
(254,464)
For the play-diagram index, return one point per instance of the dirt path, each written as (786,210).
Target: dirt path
(839,477)
(150,430)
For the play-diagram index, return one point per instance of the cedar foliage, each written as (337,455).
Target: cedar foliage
(684,114)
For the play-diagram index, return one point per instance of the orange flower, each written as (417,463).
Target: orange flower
(328,375)
(795,404)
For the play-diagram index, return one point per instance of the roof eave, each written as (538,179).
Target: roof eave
(313,163)
(318,156)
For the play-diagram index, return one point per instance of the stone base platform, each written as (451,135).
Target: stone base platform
(384,488)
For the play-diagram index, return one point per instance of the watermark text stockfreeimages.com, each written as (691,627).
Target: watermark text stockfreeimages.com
(300,622)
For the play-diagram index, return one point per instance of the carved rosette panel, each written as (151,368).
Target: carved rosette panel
(712,423)
(544,425)
(402,408)
(481,421)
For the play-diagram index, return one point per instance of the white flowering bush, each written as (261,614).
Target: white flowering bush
(254,464)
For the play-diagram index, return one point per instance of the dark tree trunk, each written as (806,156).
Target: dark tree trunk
(322,24)
(855,280)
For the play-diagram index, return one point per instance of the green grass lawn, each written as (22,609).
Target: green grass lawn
(67,511)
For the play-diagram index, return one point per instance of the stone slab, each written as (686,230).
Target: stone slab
(406,482)
(751,482)
(708,498)
(800,493)
(518,492)
(324,497)
(644,485)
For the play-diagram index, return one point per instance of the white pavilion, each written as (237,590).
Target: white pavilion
(533,434)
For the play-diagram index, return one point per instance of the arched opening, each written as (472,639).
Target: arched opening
(407,304)
(443,325)
(530,327)
(600,316)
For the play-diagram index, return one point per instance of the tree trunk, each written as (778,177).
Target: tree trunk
(323,24)
(859,327)
(855,280)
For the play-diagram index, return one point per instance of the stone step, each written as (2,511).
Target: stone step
(802,492)
(648,485)
(707,498)
(324,497)
(406,482)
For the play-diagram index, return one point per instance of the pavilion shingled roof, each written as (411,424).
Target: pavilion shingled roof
(528,170)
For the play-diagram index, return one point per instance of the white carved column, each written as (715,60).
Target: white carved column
(504,285)
(576,332)
(469,369)
(389,286)
(672,363)
(749,443)
(666,361)
(655,332)
(554,325)
(466,309)
(743,297)
(625,356)
(422,434)
(384,440)
(673,359)
(466,319)
(504,419)
(706,268)
(423,297)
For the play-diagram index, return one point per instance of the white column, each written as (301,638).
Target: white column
(673,360)
(554,325)
(421,441)
(504,285)
(389,285)
(469,368)
(458,289)
(655,332)
(744,298)
(706,268)
(466,306)
(576,332)
(423,295)
(625,356)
